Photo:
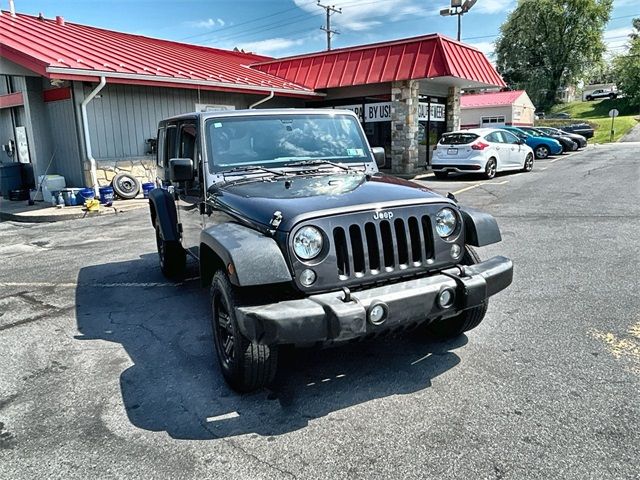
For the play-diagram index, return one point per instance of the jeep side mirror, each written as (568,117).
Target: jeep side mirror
(181,170)
(379,155)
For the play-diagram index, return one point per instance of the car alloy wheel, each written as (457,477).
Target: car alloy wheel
(542,151)
(528,163)
(490,168)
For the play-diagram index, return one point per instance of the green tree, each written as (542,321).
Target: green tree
(547,44)
(627,67)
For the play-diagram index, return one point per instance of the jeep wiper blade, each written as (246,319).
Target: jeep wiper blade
(252,168)
(305,163)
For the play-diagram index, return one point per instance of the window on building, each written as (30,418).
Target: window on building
(494,120)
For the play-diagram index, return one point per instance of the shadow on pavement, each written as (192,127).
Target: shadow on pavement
(175,385)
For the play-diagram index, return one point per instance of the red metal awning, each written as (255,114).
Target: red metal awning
(408,59)
(70,51)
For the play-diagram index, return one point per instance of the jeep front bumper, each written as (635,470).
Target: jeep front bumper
(328,318)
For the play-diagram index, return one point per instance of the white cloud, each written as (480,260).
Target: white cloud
(363,15)
(493,6)
(270,45)
(485,47)
(208,23)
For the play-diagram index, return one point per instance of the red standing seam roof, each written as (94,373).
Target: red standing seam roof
(407,59)
(492,99)
(72,51)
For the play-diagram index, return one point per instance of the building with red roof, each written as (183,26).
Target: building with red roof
(512,107)
(91,98)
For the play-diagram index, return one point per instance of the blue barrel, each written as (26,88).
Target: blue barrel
(86,194)
(146,188)
(106,196)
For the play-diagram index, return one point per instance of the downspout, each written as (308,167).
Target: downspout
(265,99)
(87,138)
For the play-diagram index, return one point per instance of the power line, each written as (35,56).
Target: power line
(253,31)
(236,25)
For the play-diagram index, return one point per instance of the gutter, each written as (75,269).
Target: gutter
(264,100)
(87,138)
(183,81)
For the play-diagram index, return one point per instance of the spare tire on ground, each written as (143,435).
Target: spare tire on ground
(125,186)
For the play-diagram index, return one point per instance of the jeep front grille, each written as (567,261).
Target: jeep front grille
(384,246)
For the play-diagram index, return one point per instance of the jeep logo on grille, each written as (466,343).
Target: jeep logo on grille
(382,215)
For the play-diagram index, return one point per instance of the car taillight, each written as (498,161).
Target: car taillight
(479,146)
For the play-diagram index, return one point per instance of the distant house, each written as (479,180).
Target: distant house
(493,109)
(566,94)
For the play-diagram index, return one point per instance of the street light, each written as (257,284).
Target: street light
(459,8)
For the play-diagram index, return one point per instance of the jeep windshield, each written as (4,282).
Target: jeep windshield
(273,141)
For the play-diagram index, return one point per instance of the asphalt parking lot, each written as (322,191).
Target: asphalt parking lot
(107,370)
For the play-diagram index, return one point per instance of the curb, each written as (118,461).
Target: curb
(60,217)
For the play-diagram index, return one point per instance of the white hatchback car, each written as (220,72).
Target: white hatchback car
(480,150)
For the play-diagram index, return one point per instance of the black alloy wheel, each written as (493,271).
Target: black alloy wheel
(245,365)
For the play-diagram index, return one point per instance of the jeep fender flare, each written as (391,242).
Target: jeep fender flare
(163,208)
(248,256)
(480,228)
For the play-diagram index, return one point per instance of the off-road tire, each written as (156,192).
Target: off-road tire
(126,186)
(490,168)
(173,258)
(247,366)
(441,175)
(465,321)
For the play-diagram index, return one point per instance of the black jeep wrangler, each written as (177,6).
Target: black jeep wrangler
(304,242)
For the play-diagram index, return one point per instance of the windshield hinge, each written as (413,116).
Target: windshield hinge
(276,219)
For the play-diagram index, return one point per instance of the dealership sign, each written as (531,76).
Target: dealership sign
(381,112)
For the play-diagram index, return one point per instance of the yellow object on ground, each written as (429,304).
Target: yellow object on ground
(92,205)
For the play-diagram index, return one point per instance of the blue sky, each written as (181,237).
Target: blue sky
(287,27)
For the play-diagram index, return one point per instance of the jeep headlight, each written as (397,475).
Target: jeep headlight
(446,222)
(307,243)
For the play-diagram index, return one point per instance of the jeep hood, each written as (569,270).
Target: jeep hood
(298,197)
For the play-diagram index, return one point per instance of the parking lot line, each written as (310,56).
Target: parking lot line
(476,185)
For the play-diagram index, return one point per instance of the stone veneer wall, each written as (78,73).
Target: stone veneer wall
(143,168)
(453,109)
(404,126)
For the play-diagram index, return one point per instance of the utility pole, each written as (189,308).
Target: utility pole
(331,9)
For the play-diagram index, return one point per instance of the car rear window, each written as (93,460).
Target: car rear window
(458,138)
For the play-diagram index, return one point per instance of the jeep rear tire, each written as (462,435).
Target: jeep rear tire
(245,365)
(173,258)
(465,321)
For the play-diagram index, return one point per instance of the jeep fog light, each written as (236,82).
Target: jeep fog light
(455,250)
(307,277)
(377,313)
(445,298)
